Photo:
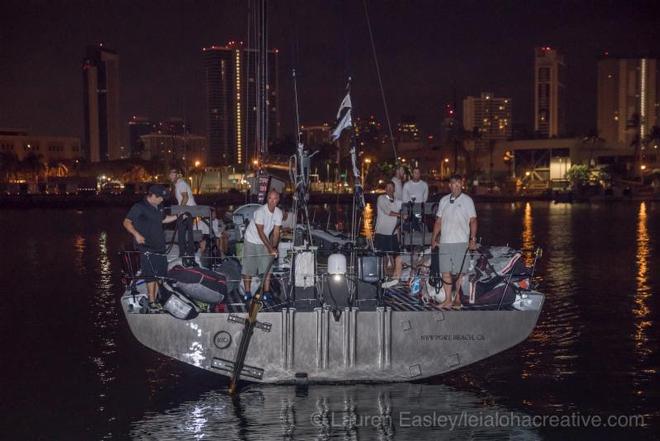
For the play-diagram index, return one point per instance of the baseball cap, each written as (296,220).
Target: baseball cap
(159,190)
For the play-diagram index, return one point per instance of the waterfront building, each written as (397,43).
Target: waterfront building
(171,147)
(46,148)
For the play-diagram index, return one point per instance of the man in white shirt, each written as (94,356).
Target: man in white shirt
(184,196)
(385,240)
(456,227)
(219,236)
(399,177)
(415,190)
(182,190)
(259,249)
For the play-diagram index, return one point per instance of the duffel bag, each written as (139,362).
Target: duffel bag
(199,283)
(490,295)
(177,305)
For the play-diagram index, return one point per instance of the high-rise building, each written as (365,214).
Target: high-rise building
(100,70)
(173,126)
(138,126)
(169,147)
(549,92)
(628,98)
(487,116)
(231,87)
(314,136)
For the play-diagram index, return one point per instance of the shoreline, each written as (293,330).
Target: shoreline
(53,201)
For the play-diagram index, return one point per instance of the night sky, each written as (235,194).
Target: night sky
(429,52)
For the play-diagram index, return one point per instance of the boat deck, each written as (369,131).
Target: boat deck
(397,298)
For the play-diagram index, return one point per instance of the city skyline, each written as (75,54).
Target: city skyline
(429,54)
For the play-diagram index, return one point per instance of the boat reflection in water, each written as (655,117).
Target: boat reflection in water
(356,412)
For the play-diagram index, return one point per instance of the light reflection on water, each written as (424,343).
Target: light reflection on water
(641,309)
(369,220)
(325,412)
(558,334)
(528,245)
(104,310)
(595,348)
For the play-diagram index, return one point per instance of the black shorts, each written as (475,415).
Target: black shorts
(386,243)
(153,265)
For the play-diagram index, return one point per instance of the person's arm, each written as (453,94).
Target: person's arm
(276,236)
(473,233)
(169,219)
(425,194)
(128,225)
(437,226)
(264,239)
(183,190)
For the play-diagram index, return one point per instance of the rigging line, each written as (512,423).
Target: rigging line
(380,80)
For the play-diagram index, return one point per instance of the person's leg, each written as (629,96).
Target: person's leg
(448,288)
(459,259)
(457,299)
(151,291)
(264,267)
(267,282)
(248,266)
(397,267)
(224,244)
(445,267)
(247,283)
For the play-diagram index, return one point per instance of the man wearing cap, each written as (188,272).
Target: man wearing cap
(145,222)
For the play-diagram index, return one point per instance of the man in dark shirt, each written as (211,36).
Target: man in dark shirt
(145,223)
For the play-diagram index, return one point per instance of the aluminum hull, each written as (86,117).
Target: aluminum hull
(384,345)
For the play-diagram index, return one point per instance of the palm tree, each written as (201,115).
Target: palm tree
(593,141)
(34,166)
(8,165)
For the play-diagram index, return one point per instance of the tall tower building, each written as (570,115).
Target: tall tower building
(100,70)
(231,89)
(628,98)
(549,92)
(488,116)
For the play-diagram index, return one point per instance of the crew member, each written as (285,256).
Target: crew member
(456,228)
(259,248)
(145,222)
(184,197)
(415,190)
(386,240)
(398,180)
(219,235)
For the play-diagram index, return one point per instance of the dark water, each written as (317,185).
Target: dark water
(70,369)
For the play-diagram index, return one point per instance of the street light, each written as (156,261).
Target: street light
(197,163)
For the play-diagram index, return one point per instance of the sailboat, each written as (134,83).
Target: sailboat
(331,321)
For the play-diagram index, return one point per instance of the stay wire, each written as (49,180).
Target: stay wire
(380,79)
